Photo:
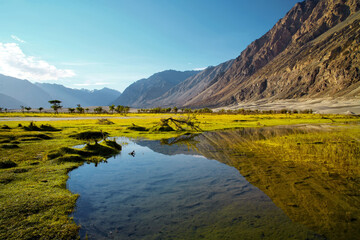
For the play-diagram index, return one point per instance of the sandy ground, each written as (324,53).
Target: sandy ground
(334,106)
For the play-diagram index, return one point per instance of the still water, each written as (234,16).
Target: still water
(174,192)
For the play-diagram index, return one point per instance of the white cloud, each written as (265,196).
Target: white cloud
(14,63)
(17,39)
(199,69)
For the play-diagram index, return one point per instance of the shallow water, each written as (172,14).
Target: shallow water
(175,194)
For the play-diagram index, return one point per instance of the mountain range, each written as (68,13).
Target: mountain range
(311,53)
(143,91)
(16,92)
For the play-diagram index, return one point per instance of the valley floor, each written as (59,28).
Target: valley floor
(34,200)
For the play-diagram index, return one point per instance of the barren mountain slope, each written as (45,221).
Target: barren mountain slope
(142,91)
(301,56)
(186,90)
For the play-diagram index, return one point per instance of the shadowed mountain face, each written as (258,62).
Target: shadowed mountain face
(9,102)
(16,92)
(142,91)
(311,52)
(22,91)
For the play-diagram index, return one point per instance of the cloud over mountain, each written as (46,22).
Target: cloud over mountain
(15,63)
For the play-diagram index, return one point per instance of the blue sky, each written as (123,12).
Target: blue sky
(103,43)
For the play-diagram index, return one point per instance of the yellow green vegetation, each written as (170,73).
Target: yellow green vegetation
(35,159)
(311,172)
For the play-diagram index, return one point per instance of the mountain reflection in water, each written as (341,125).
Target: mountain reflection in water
(171,190)
(326,202)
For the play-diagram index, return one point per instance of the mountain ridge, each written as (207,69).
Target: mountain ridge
(139,93)
(190,87)
(16,92)
(305,22)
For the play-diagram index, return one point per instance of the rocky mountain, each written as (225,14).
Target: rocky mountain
(16,92)
(143,91)
(191,87)
(71,97)
(312,52)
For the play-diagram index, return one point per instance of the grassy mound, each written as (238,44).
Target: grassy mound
(137,128)
(43,127)
(90,135)
(7,164)
(104,121)
(9,146)
(90,153)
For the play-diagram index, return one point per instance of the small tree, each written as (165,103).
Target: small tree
(119,109)
(22,109)
(112,108)
(87,110)
(79,109)
(71,110)
(40,109)
(6,110)
(175,109)
(55,104)
(98,110)
(28,108)
(1,109)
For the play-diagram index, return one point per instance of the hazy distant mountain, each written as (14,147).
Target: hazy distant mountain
(71,97)
(22,91)
(142,91)
(313,52)
(9,102)
(192,86)
(15,93)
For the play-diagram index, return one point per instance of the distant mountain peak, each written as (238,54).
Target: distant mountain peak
(289,60)
(15,91)
(139,93)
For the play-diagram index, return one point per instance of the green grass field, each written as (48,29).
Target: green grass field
(34,201)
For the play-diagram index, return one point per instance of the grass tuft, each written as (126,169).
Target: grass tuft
(90,135)
(7,164)
(104,121)
(134,127)
(9,146)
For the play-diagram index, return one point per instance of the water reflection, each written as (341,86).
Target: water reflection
(172,190)
(181,195)
(326,202)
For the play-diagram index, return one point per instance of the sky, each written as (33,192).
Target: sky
(112,43)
